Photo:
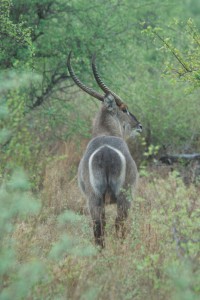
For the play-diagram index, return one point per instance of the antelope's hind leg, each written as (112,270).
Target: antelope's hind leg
(97,211)
(123,206)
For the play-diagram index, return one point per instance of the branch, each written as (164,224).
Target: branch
(179,241)
(176,238)
(170,159)
(173,52)
(55,79)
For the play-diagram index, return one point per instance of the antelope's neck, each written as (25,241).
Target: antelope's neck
(108,124)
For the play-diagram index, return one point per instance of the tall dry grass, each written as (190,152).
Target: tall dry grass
(139,267)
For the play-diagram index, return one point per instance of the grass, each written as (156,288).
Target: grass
(159,259)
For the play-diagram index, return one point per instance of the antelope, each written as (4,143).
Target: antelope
(107,168)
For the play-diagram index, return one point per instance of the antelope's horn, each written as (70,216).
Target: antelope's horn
(103,86)
(80,84)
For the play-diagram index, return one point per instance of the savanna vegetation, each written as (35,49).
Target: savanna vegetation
(148,52)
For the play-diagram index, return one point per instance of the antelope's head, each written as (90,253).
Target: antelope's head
(128,122)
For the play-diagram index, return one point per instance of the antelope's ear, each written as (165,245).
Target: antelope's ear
(109,102)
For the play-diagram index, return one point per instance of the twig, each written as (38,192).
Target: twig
(173,52)
(176,237)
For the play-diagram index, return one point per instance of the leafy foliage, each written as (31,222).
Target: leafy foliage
(186,65)
(16,203)
(16,45)
(149,55)
(35,41)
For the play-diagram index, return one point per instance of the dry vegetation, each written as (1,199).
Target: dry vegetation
(158,260)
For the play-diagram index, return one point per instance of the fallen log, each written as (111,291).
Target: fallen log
(170,159)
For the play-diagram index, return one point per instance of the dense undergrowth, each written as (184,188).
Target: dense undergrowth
(159,259)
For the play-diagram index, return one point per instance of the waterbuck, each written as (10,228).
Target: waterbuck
(107,169)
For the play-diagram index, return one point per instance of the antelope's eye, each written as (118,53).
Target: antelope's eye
(125,110)
(139,127)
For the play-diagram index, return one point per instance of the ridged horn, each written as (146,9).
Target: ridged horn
(80,84)
(102,85)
